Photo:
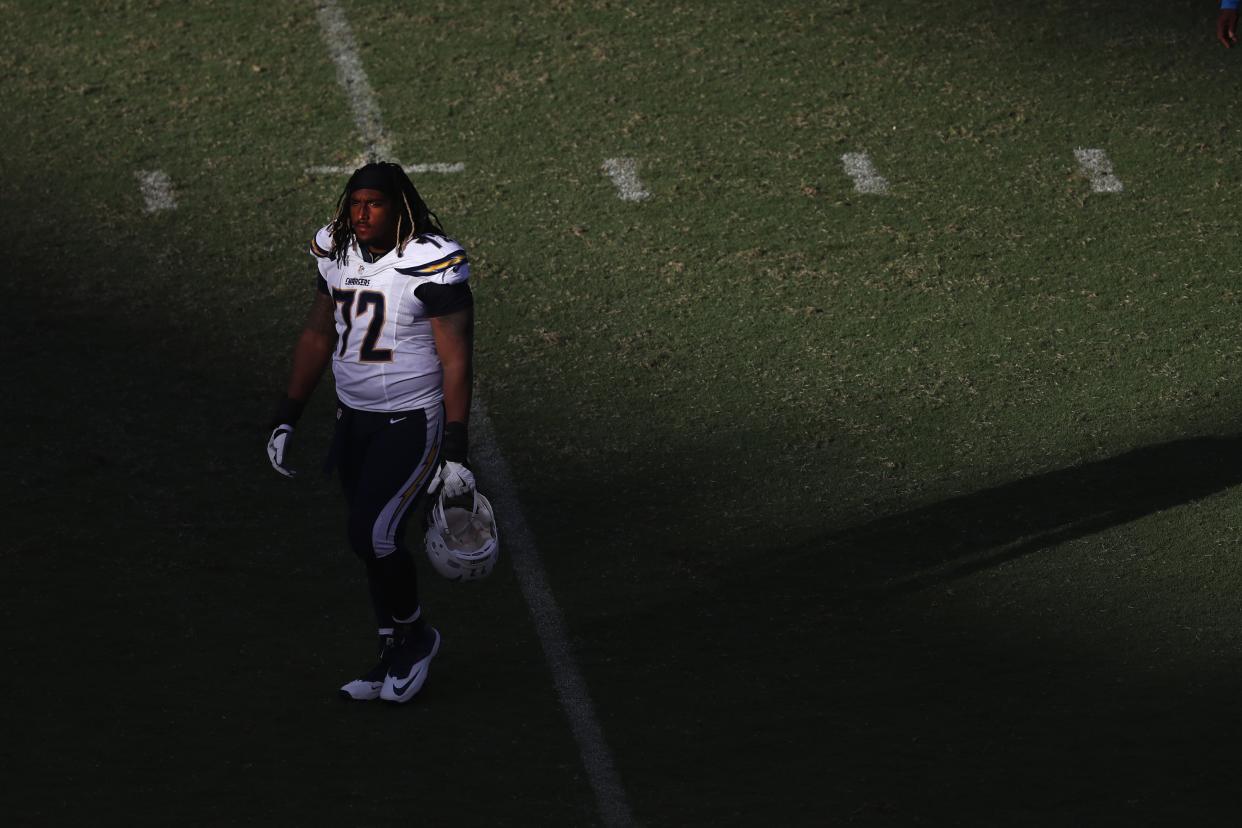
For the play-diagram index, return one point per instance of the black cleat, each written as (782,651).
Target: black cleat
(407,668)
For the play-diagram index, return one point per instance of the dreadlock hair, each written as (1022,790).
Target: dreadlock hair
(414,219)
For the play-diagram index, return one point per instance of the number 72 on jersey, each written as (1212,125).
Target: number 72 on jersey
(368,301)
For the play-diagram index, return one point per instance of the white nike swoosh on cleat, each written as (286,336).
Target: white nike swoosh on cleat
(399,689)
(362,690)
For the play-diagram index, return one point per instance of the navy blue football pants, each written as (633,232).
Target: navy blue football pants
(386,461)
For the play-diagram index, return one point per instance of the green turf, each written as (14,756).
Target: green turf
(916,509)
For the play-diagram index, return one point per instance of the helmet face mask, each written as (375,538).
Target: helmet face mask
(462,543)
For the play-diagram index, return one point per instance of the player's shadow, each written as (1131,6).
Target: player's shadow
(967,534)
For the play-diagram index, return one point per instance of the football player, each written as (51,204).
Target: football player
(393,312)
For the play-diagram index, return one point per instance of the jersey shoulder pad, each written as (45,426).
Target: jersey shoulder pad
(435,258)
(321,244)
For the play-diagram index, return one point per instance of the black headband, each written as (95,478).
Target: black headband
(373,177)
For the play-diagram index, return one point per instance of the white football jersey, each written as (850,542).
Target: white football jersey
(385,357)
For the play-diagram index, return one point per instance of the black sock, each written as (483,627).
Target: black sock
(400,585)
(379,596)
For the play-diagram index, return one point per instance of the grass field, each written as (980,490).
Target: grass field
(913,509)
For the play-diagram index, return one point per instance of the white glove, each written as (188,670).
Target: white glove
(457,480)
(276,445)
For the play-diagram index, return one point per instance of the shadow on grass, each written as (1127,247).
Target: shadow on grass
(922,708)
(963,535)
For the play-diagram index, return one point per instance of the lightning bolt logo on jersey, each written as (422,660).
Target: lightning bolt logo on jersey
(385,358)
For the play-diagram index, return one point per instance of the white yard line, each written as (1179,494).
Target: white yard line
(519,544)
(156,190)
(624,174)
(867,179)
(1096,166)
(517,540)
(410,168)
(353,78)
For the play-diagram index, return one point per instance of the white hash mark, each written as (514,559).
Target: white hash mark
(156,190)
(867,179)
(624,174)
(1096,165)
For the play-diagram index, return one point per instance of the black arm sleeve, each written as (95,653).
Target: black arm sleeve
(322,285)
(441,300)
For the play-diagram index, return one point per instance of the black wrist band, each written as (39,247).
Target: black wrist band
(287,412)
(456,443)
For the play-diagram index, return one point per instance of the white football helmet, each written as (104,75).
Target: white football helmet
(462,543)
